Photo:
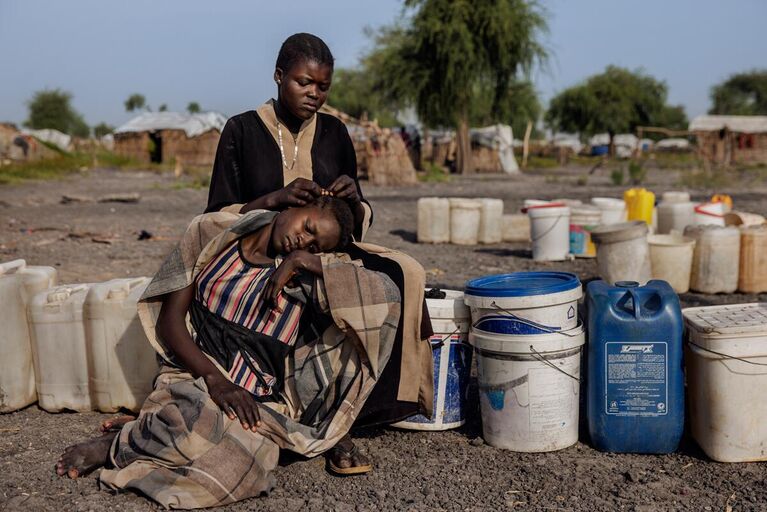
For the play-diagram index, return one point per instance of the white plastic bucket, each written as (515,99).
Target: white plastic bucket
(451,320)
(726,361)
(123,363)
(490,226)
(529,389)
(60,349)
(671,260)
(550,231)
(622,252)
(18,284)
(716,260)
(613,210)
(524,302)
(464,221)
(433,220)
(582,221)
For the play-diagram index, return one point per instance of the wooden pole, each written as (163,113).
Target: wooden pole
(526,143)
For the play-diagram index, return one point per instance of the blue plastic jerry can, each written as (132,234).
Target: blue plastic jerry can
(635,386)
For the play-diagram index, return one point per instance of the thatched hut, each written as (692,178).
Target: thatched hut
(171,137)
(731,139)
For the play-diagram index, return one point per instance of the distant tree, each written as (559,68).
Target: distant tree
(673,117)
(742,94)
(52,108)
(352,92)
(193,107)
(135,102)
(162,108)
(615,101)
(102,129)
(448,51)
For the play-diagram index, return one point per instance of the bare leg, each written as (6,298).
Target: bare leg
(80,459)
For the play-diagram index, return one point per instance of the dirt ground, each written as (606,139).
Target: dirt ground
(94,241)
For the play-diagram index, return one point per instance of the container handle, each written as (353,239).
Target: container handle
(726,356)
(548,230)
(537,355)
(445,339)
(527,322)
(12,266)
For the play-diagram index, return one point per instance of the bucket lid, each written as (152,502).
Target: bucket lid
(718,328)
(620,232)
(522,284)
(670,240)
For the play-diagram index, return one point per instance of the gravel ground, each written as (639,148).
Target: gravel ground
(93,241)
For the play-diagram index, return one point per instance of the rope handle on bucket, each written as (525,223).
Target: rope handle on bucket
(538,356)
(527,322)
(726,356)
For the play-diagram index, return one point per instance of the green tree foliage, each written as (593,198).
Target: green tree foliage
(193,107)
(615,101)
(742,94)
(53,109)
(446,52)
(162,108)
(135,102)
(353,92)
(102,129)
(519,106)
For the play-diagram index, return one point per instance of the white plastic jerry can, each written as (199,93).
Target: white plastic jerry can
(59,348)
(18,284)
(123,363)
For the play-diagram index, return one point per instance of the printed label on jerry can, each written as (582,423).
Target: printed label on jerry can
(636,378)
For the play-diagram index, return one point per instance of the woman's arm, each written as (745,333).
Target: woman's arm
(224,182)
(172,331)
(295,262)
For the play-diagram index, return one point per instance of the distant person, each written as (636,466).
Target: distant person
(267,367)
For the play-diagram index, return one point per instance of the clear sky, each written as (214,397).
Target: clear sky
(221,54)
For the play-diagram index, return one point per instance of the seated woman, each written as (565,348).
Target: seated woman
(289,342)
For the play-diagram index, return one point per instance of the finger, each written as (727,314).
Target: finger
(227,409)
(303,194)
(241,415)
(308,186)
(252,411)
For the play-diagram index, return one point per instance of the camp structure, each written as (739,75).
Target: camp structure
(171,138)
(19,146)
(731,139)
(492,149)
(382,156)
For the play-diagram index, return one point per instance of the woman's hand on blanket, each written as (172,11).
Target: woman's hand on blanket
(235,401)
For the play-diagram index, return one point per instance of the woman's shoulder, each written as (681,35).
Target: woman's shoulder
(249,117)
(331,125)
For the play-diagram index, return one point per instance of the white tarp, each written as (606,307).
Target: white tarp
(498,137)
(55,137)
(742,124)
(673,143)
(192,124)
(566,140)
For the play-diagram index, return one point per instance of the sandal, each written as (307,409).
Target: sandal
(349,454)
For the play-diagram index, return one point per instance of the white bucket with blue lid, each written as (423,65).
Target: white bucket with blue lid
(524,302)
(452,357)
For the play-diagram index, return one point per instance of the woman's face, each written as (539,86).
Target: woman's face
(309,228)
(304,87)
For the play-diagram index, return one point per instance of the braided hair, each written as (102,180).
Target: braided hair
(342,214)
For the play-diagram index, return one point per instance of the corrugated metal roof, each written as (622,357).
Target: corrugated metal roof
(742,124)
(192,124)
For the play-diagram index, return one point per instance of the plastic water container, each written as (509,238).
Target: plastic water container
(671,260)
(582,221)
(613,210)
(529,388)
(524,302)
(752,275)
(433,220)
(123,364)
(550,231)
(464,221)
(716,260)
(726,360)
(451,320)
(60,349)
(639,204)
(18,284)
(622,252)
(711,214)
(490,226)
(675,216)
(515,228)
(675,197)
(635,385)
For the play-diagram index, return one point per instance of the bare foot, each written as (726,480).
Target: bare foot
(345,458)
(115,424)
(80,459)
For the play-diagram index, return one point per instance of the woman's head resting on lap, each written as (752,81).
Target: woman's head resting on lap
(324,225)
(303,74)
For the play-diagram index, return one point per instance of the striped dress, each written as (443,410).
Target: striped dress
(230,287)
